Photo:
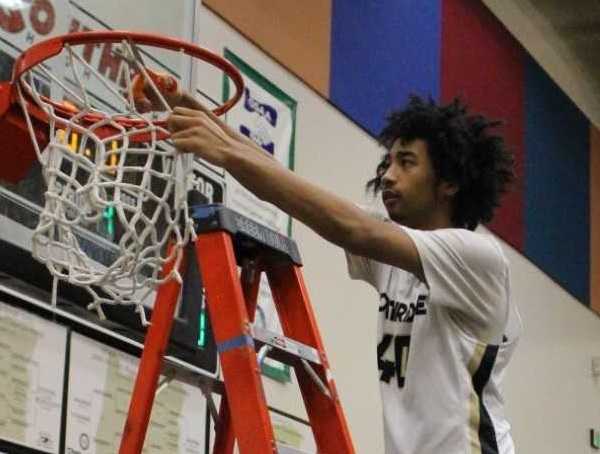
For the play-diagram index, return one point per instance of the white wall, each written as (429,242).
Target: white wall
(551,397)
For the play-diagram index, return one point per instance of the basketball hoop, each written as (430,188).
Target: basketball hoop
(120,162)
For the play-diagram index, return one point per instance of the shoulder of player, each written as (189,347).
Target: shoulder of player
(469,248)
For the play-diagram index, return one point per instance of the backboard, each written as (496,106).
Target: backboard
(25,22)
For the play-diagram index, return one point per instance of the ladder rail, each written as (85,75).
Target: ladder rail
(232,330)
(146,382)
(298,322)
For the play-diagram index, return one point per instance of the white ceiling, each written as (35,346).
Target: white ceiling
(564,37)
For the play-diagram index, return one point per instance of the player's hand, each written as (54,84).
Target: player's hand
(187,135)
(202,133)
(145,97)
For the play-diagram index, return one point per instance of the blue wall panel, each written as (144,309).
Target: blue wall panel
(381,51)
(556,183)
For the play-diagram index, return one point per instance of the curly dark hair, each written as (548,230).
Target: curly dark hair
(462,152)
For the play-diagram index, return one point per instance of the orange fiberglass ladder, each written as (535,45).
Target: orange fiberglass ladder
(225,241)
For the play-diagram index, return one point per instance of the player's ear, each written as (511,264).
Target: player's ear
(447,189)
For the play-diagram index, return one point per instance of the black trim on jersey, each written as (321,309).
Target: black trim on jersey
(487,433)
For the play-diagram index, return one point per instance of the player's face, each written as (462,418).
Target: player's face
(409,188)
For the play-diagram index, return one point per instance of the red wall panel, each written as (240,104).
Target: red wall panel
(484,65)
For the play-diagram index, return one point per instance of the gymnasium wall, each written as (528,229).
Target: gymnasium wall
(365,58)
(552,398)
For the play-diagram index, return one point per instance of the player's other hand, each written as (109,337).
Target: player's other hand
(145,96)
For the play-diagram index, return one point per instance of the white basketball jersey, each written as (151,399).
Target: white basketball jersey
(443,346)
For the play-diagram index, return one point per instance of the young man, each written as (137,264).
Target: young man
(447,325)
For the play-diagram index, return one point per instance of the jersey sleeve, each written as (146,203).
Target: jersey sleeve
(467,273)
(362,268)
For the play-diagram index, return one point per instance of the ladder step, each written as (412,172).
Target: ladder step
(285,348)
(284,449)
(247,234)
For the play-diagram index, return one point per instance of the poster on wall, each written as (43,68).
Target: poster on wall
(32,361)
(101,381)
(267,116)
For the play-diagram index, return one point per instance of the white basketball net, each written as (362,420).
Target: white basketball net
(141,185)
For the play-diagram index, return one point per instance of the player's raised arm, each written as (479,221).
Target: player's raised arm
(332,217)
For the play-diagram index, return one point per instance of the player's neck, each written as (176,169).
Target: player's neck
(437,219)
